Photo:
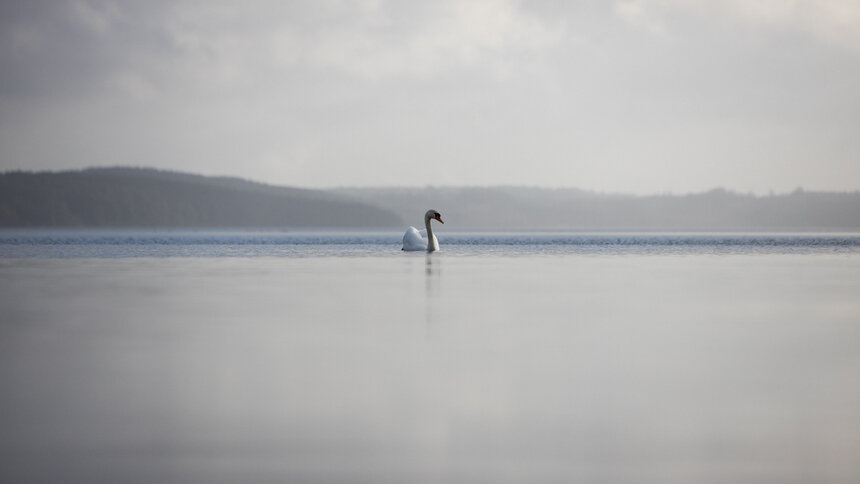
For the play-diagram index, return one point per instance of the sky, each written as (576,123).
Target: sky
(634,96)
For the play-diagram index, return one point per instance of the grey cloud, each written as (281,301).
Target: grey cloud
(627,96)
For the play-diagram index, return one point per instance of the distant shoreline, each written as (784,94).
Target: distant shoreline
(143,198)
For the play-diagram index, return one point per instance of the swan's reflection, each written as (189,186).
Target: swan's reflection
(428,264)
(432,273)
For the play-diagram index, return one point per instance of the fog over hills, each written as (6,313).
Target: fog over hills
(139,197)
(509,208)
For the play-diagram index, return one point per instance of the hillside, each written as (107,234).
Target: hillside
(133,197)
(511,208)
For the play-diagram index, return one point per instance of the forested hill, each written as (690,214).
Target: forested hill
(135,197)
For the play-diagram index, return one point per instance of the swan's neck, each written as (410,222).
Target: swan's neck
(430,246)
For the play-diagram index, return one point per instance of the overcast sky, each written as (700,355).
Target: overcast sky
(641,96)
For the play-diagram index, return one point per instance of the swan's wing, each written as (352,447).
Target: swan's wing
(412,239)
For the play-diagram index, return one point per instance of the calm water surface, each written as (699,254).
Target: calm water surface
(130,356)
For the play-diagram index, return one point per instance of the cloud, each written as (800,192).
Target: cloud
(96,17)
(836,22)
(833,21)
(368,40)
(133,85)
(640,14)
(632,95)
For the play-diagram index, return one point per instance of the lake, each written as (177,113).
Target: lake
(334,357)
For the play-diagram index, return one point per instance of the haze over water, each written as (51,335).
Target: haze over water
(334,357)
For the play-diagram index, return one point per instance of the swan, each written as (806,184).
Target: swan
(415,240)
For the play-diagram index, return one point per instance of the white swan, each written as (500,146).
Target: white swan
(415,240)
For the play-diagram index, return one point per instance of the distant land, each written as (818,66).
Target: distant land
(142,197)
(503,208)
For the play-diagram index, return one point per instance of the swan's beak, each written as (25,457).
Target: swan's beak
(439,218)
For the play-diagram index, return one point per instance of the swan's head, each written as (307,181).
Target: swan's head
(432,214)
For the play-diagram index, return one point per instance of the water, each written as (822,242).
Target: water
(30,243)
(134,356)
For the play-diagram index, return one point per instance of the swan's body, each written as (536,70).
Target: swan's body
(414,239)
